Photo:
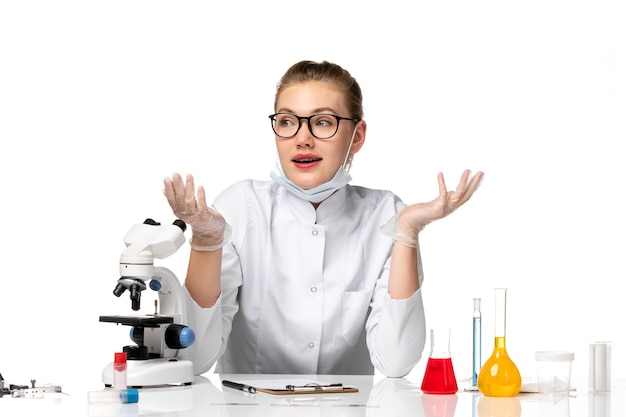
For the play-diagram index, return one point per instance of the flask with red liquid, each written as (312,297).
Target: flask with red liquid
(439,376)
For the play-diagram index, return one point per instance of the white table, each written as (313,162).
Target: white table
(384,397)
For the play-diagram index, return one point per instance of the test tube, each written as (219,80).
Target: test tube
(477,342)
(600,366)
(119,371)
(122,396)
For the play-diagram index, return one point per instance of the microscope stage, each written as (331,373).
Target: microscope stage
(138,321)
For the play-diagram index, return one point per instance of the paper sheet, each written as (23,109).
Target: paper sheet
(280,384)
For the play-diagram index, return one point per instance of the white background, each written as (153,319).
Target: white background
(100,100)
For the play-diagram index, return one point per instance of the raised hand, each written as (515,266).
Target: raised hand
(209,229)
(414,218)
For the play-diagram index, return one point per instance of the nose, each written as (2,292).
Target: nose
(304,137)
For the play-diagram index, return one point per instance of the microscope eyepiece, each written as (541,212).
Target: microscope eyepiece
(181,224)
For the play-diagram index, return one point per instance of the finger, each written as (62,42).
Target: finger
(179,192)
(475,182)
(442,185)
(168,191)
(456,198)
(202,206)
(473,185)
(460,189)
(190,194)
(452,197)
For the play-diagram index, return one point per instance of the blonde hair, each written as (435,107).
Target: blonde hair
(304,71)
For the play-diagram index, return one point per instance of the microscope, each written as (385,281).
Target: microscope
(153,359)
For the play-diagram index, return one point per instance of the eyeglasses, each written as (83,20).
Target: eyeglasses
(321,126)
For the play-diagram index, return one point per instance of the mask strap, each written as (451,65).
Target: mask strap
(347,162)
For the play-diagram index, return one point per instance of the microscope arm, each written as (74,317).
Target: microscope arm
(170,294)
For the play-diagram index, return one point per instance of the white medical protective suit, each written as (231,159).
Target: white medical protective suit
(304,291)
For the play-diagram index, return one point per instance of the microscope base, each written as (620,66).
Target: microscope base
(153,373)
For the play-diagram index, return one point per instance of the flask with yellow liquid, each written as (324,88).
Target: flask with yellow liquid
(499,377)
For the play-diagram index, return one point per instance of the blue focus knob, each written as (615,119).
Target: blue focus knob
(155,285)
(187,337)
(178,336)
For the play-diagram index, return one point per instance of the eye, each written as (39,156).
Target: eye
(324,120)
(323,123)
(286,120)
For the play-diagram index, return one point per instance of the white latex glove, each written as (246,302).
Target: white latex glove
(209,230)
(405,227)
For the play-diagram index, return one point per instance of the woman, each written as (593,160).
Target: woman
(304,273)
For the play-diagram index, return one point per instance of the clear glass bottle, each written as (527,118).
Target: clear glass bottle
(499,376)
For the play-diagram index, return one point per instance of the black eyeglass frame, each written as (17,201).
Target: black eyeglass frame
(308,122)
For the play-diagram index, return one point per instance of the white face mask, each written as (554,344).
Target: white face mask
(322,191)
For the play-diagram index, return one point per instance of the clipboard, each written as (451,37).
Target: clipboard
(296,387)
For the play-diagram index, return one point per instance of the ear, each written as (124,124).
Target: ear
(359,136)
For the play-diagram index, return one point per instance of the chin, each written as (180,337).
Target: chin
(306,183)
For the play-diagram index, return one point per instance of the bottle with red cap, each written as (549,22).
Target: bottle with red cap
(119,371)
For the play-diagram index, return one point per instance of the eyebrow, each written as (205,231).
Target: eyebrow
(315,111)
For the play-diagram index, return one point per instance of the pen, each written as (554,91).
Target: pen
(242,387)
